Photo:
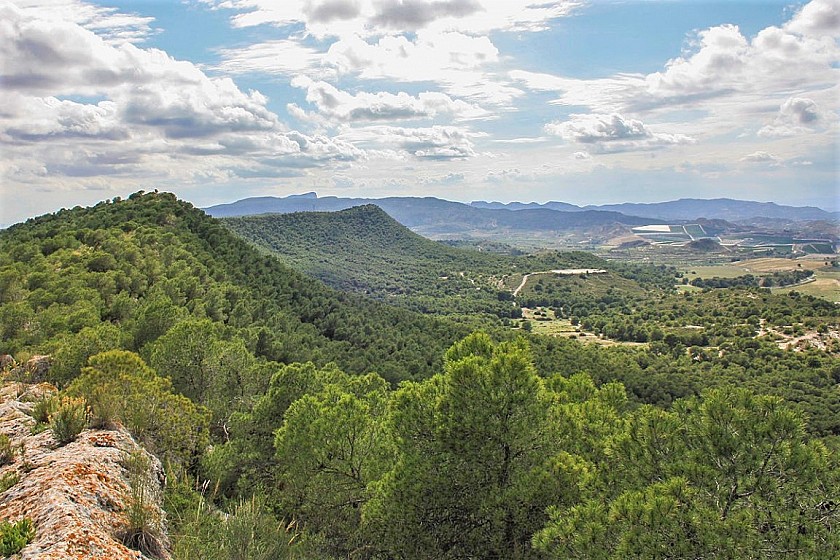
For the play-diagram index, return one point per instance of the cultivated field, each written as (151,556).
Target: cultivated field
(826,282)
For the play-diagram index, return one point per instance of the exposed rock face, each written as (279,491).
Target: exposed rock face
(76,495)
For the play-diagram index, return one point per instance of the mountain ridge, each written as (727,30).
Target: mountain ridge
(417,212)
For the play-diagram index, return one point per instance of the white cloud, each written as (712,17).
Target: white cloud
(338,18)
(461,62)
(797,115)
(724,74)
(147,115)
(436,142)
(342,106)
(817,18)
(761,157)
(613,133)
(112,25)
(281,56)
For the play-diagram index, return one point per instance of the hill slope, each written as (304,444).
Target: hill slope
(364,250)
(133,269)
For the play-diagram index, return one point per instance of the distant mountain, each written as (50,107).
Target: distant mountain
(551,205)
(433,215)
(719,208)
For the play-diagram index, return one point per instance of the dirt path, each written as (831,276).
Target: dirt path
(522,284)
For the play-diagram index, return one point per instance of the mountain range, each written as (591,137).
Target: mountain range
(435,215)
(686,209)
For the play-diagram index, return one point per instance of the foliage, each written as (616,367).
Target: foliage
(500,447)
(143,529)
(6,453)
(777,279)
(45,407)
(364,250)
(331,446)
(69,419)
(143,265)
(121,388)
(8,480)
(248,532)
(730,472)
(15,536)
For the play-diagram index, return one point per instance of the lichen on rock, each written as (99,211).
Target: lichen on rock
(77,495)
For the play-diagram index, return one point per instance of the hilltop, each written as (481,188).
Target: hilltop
(121,274)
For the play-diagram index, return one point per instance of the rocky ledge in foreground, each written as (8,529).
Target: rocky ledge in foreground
(77,495)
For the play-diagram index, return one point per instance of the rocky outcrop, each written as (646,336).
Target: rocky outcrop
(77,495)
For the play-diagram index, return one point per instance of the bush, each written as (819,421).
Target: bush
(8,480)
(69,419)
(45,408)
(6,454)
(15,536)
(120,387)
(143,530)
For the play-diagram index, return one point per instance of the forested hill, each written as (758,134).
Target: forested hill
(433,215)
(124,274)
(364,250)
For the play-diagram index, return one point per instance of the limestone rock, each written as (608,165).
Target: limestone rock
(76,495)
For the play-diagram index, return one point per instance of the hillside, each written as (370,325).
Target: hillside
(273,403)
(122,274)
(434,216)
(364,250)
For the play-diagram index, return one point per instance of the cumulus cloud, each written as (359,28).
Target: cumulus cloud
(460,60)
(609,133)
(84,103)
(762,157)
(817,18)
(797,115)
(281,56)
(435,142)
(723,72)
(342,106)
(113,25)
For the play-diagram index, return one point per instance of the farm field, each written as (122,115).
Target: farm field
(826,285)
(755,266)
(826,282)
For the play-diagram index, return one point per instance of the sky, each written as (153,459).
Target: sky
(580,101)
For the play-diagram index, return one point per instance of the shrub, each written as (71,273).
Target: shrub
(8,480)
(45,408)
(15,536)
(120,387)
(69,419)
(143,530)
(6,454)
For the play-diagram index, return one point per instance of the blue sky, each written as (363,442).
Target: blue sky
(580,101)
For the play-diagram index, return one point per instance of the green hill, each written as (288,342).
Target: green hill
(123,274)
(364,250)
